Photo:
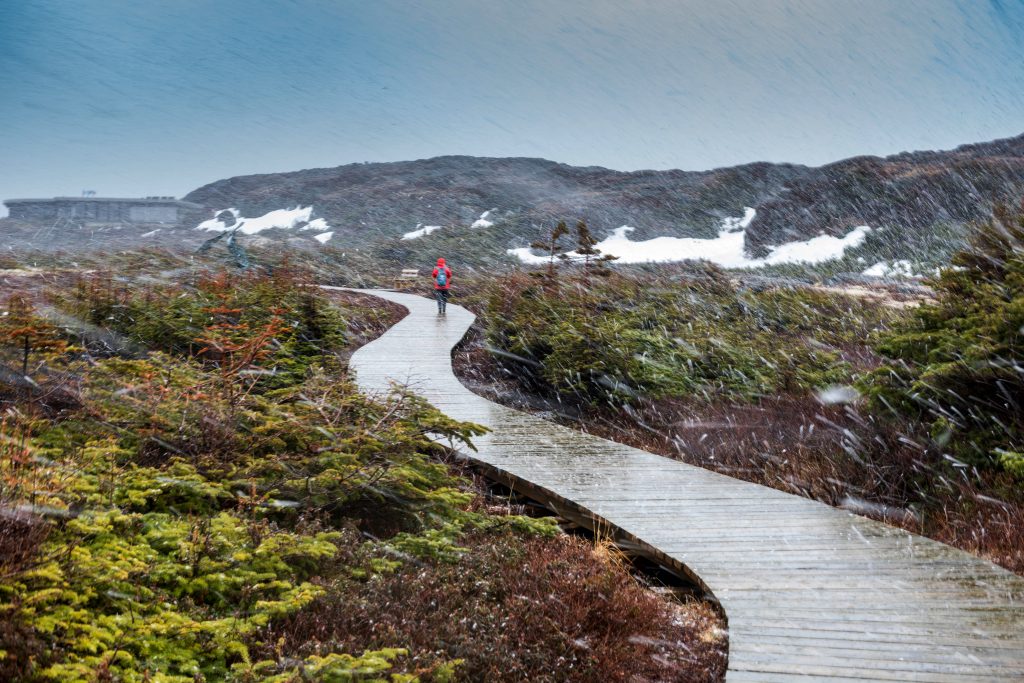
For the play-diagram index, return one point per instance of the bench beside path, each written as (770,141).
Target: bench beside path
(810,592)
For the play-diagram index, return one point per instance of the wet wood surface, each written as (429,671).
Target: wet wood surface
(810,592)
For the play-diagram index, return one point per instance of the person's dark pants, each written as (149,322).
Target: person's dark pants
(442,299)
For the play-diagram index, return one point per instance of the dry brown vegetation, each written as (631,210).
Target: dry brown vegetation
(378,316)
(553,609)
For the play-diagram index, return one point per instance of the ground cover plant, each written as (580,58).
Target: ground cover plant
(907,415)
(191,489)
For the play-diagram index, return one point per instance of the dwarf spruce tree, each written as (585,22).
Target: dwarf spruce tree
(586,246)
(22,329)
(958,363)
(553,246)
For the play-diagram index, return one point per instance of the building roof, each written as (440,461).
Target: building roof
(127,200)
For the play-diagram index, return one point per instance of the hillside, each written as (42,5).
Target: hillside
(914,191)
(475,209)
(370,201)
(911,192)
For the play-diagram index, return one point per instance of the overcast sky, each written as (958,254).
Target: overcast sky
(143,97)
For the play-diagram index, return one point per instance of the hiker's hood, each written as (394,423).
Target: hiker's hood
(440,262)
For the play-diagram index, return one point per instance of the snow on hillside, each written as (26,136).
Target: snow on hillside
(421,231)
(424,230)
(286,219)
(482,222)
(901,268)
(726,250)
(317,224)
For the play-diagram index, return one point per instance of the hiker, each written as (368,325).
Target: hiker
(442,284)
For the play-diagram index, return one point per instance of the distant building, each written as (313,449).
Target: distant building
(105,210)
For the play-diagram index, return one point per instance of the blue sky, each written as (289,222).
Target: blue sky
(139,97)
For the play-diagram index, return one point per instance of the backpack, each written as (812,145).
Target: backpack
(442,277)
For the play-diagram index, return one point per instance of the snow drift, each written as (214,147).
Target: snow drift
(283,219)
(726,250)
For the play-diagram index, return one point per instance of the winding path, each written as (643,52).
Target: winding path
(810,592)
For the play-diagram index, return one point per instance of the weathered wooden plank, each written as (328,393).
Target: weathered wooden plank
(758,622)
(812,593)
(938,656)
(896,671)
(967,645)
(737,676)
(786,674)
(840,590)
(927,650)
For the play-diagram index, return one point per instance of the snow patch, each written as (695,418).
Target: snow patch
(323,238)
(317,224)
(285,219)
(420,231)
(215,224)
(901,268)
(482,222)
(282,218)
(151,233)
(817,249)
(726,250)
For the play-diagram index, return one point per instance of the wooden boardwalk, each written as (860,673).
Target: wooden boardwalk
(810,592)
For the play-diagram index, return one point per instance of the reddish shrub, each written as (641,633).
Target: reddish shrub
(514,610)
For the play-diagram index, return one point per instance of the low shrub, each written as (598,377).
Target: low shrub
(956,364)
(622,340)
(549,609)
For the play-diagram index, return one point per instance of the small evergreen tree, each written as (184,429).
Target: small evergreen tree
(957,363)
(552,245)
(586,246)
(22,328)
(234,345)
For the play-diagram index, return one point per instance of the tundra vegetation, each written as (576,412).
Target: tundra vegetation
(911,415)
(191,489)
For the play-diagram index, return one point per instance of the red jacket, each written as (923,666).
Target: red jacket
(447,273)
